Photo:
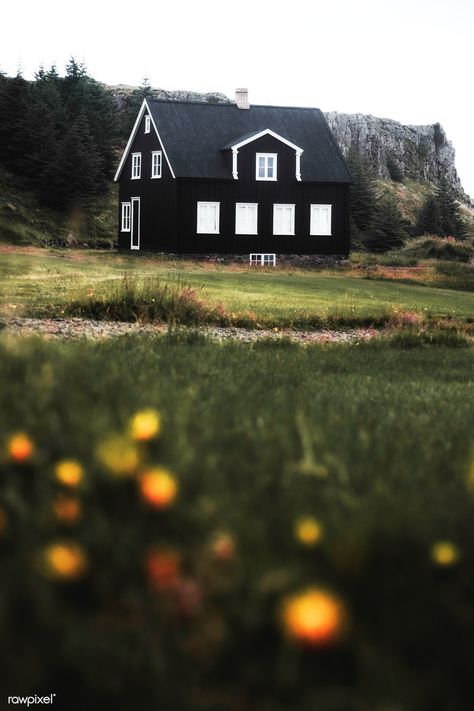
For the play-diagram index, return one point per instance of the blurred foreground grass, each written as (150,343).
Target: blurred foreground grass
(114,601)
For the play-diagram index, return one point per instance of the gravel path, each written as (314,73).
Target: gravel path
(68,328)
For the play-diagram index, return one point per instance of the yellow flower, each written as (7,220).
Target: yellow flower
(308,531)
(314,617)
(118,455)
(145,425)
(69,472)
(158,487)
(67,509)
(444,553)
(65,561)
(20,447)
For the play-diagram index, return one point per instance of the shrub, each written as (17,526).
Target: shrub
(432,247)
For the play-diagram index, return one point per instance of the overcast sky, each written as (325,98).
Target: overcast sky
(409,60)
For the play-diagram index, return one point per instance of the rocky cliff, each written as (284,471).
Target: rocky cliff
(418,152)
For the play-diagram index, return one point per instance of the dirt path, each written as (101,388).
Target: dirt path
(83,328)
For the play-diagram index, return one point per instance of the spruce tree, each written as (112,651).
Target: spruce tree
(429,218)
(452,224)
(388,229)
(363,193)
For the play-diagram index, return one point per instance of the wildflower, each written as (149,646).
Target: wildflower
(223,546)
(158,487)
(118,455)
(444,553)
(145,425)
(308,531)
(20,447)
(65,561)
(314,617)
(67,509)
(163,569)
(69,472)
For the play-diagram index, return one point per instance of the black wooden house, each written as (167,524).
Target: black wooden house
(234,179)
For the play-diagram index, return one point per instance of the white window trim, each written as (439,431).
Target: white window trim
(126,217)
(277,205)
(275,165)
(147,123)
(160,164)
(135,215)
(312,229)
(208,232)
(259,258)
(139,163)
(255,228)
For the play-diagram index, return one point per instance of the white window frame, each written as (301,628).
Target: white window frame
(147,124)
(242,230)
(200,206)
(275,208)
(158,165)
(312,220)
(136,166)
(266,156)
(126,216)
(262,259)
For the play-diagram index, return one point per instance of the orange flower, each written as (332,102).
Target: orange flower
(158,487)
(20,447)
(163,569)
(223,546)
(69,472)
(145,425)
(65,561)
(314,617)
(444,553)
(308,531)
(67,509)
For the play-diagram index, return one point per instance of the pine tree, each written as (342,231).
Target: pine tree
(363,193)
(429,218)
(451,222)
(388,230)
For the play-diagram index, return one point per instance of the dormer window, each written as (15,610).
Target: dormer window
(266,166)
(147,124)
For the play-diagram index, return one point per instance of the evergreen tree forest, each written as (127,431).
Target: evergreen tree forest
(440,214)
(62,134)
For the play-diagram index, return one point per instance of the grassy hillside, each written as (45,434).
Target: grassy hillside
(24,221)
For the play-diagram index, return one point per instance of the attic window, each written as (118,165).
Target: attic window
(136,166)
(147,124)
(266,166)
(156,164)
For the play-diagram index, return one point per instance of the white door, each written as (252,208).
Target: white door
(135,226)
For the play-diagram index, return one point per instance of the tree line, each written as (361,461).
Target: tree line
(377,223)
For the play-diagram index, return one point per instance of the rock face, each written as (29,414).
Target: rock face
(418,152)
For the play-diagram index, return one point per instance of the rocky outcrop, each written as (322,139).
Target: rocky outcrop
(418,152)
(123,92)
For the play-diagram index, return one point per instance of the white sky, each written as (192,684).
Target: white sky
(409,60)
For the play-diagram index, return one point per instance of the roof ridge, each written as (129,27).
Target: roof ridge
(227,103)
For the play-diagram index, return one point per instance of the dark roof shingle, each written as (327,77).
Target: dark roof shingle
(194,134)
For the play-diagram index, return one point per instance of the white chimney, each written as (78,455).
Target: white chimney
(242,98)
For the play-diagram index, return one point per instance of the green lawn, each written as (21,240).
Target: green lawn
(46,280)
(375,443)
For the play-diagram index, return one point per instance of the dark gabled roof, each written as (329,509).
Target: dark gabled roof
(194,135)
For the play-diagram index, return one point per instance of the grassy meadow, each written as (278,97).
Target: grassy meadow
(372,444)
(200,526)
(42,282)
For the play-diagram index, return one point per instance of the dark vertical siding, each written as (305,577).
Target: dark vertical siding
(158,196)
(169,206)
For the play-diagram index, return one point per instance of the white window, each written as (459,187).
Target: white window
(147,124)
(283,219)
(156,164)
(208,217)
(136,166)
(263,260)
(320,220)
(125,217)
(266,166)
(246,215)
